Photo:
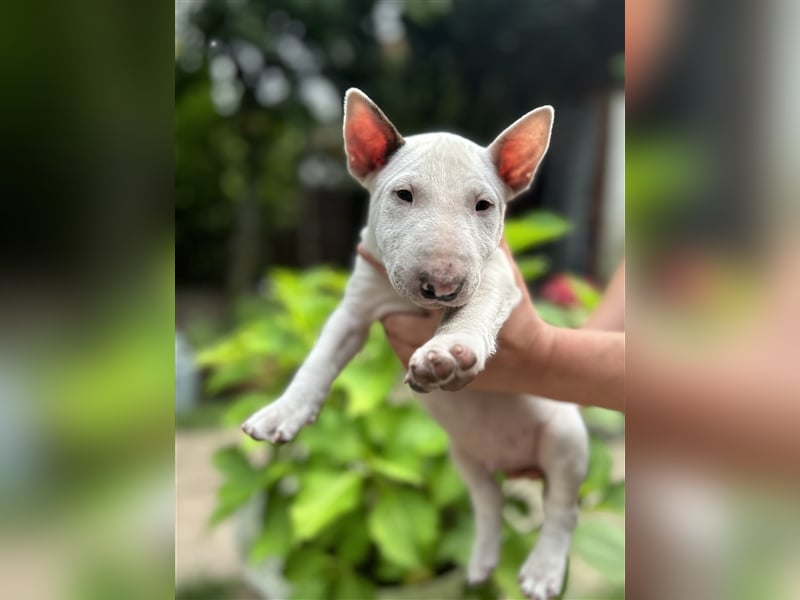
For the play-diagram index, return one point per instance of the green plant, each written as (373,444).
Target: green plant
(366,498)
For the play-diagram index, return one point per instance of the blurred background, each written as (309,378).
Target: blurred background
(365,503)
(87,351)
(712,385)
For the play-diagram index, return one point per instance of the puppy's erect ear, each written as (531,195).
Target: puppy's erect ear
(518,151)
(369,137)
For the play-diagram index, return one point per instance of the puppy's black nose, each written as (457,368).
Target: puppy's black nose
(428,291)
(444,294)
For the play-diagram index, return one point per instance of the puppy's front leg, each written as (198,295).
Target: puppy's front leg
(466,336)
(343,336)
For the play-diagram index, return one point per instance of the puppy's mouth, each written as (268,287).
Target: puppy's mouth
(426,299)
(429,292)
(426,303)
(426,295)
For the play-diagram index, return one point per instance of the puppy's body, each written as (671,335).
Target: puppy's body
(435,222)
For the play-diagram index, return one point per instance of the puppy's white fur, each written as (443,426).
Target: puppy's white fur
(443,241)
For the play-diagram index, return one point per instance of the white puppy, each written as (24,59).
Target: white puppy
(436,211)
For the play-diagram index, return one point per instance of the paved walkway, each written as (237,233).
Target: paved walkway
(201,552)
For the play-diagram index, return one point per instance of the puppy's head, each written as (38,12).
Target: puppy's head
(437,200)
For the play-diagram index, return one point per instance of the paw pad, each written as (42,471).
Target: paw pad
(437,365)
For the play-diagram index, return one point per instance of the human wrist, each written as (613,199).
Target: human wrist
(539,354)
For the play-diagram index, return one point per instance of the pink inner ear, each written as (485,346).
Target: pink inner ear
(368,138)
(516,162)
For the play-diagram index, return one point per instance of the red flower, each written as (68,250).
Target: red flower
(558,290)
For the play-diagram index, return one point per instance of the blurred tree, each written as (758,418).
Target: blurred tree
(258,109)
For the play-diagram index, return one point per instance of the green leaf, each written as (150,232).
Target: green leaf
(308,298)
(230,497)
(241,481)
(323,497)
(588,295)
(276,471)
(229,375)
(310,573)
(602,419)
(614,498)
(602,545)
(417,433)
(455,544)
(396,471)
(381,424)
(533,229)
(232,462)
(334,437)
(276,535)
(532,267)
(516,548)
(599,472)
(403,524)
(353,545)
(369,378)
(661,171)
(446,485)
(555,315)
(353,587)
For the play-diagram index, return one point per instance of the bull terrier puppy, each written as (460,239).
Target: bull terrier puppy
(437,202)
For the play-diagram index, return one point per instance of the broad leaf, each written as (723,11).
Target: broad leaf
(603,419)
(353,545)
(230,497)
(446,485)
(532,267)
(241,482)
(555,315)
(533,229)
(323,498)
(396,470)
(588,295)
(369,378)
(334,438)
(310,573)
(276,535)
(350,586)
(614,498)
(602,545)
(516,548)
(403,523)
(232,463)
(417,433)
(456,543)
(599,471)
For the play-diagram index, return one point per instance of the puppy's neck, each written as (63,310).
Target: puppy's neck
(370,258)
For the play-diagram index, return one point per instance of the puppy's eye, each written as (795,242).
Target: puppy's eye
(483,205)
(405,195)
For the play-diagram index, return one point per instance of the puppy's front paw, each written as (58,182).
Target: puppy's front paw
(542,575)
(447,362)
(279,422)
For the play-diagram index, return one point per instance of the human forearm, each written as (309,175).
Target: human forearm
(581,366)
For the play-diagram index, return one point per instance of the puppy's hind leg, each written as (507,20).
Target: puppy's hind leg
(563,456)
(487,506)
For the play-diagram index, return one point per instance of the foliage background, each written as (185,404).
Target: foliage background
(259,87)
